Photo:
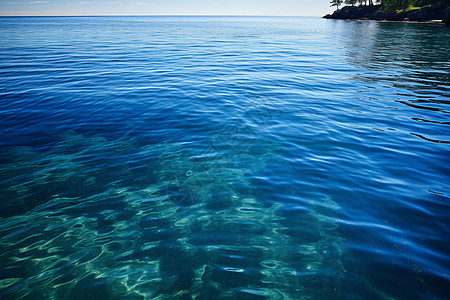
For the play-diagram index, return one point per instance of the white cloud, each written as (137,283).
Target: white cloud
(32,2)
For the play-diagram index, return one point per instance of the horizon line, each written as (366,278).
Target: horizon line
(157,15)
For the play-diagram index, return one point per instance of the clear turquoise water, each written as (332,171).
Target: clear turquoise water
(223,158)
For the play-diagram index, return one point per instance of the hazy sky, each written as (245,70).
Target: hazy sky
(165,7)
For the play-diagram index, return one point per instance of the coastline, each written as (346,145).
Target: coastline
(435,22)
(439,14)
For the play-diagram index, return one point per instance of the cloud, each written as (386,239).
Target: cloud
(44,13)
(86,2)
(143,3)
(32,2)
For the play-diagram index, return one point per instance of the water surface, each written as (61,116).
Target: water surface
(223,158)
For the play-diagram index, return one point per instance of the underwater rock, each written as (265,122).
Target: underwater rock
(178,227)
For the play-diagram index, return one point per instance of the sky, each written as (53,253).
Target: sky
(164,7)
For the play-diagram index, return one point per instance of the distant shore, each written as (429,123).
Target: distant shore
(430,14)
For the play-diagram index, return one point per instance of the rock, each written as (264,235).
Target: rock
(402,15)
(370,12)
(380,15)
(438,7)
(426,16)
(354,12)
(374,12)
(439,15)
(370,16)
(427,9)
(446,18)
(393,16)
(351,12)
(413,15)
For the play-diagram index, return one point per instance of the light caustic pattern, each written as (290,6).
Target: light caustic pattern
(174,225)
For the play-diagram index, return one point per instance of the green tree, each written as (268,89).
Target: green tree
(336,3)
(351,2)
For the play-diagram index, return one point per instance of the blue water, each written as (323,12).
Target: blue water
(223,158)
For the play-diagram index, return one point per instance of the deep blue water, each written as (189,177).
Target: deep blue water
(223,158)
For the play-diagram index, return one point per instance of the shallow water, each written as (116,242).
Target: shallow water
(223,157)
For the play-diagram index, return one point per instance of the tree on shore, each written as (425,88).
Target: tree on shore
(365,2)
(336,3)
(397,3)
(389,4)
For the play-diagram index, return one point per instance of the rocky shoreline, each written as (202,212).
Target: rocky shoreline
(374,12)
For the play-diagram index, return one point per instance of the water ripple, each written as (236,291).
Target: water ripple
(223,157)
